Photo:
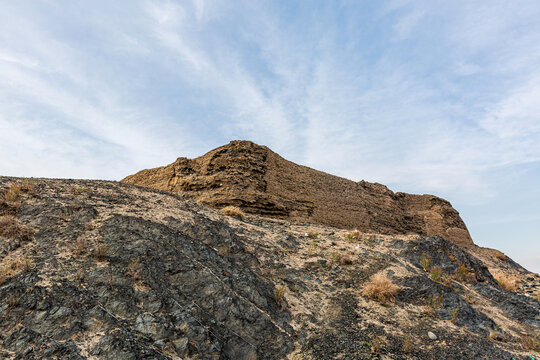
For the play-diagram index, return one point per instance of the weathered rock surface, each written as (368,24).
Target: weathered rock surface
(115,271)
(261,182)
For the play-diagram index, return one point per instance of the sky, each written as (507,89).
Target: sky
(437,97)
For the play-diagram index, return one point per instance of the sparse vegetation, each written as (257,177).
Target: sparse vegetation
(407,346)
(381,289)
(455,314)
(13,193)
(424,261)
(279,295)
(12,228)
(224,250)
(352,236)
(462,272)
(134,269)
(11,266)
(80,275)
(507,282)
(78,190)
(313,246)
(251,356)
(101,251)
(233,211)
(28,186)
(434,304)
(346,260)
(531,343)
(336,257)
(499,255)
(312,234)
(435,273)
(377,343)
(79,246)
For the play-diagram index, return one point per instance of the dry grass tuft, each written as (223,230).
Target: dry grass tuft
(499,255)
(11,266)
(346,260)
(407,344)
(11,228)
(279,295)
(531,343)
(507,282)
(224,251)
(101,251)
(352,236)
(433,304)
(312,234)
(28,186)
(233,211)
(424,261)
(13,193)
(79,247)
(381,289)
(377,344)
(435,273)
(462,272)
(251,356)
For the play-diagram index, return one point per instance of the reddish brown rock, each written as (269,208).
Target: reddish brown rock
(261,182)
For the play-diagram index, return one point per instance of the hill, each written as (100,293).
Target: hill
(259,181)
(107,270)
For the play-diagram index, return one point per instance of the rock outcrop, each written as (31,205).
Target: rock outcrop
(261,182)
(105,270)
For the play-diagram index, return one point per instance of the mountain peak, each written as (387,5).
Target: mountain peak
(259,181)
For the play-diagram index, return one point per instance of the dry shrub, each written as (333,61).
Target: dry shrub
(12,228)
(101,251)
(79,247)
(346,260)
(28,186)
(380,288)
(13,193)
(312,234)
(507,282)
(531,343)
(233,211)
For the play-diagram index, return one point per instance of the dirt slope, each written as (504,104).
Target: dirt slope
(105,270)
(261,182)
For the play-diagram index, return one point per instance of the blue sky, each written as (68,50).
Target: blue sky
(439,97)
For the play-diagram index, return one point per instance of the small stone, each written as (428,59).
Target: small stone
(431,335)
(159,343)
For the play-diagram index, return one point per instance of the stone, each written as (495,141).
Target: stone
(431,335)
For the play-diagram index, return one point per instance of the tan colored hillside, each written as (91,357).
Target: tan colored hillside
(261,182)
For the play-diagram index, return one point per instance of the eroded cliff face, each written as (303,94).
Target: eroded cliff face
(261,182)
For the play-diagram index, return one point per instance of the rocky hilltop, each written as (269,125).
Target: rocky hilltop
(107,270)
(259,181)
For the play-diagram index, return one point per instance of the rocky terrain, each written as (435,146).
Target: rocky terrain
(259,181)
(107,270)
